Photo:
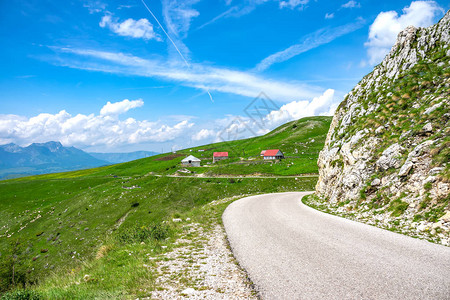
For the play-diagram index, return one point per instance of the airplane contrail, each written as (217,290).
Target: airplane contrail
(173,43)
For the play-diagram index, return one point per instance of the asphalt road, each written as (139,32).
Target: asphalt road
(292,251)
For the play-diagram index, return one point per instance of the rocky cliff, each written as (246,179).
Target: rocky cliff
(386,155)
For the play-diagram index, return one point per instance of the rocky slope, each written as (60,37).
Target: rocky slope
(386,155)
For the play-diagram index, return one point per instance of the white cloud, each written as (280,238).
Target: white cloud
(351,4)
(384,30)
(178,15)
(86,130)
(248,6)
(206,78)
(226,13)
(124,6)
(311,41)
(329,15)
(293,3)
(95,6)
(203,134)
(121,107)
(141,28)
(239,127)
(322,105)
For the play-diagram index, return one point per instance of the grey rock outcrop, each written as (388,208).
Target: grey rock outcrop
(389,139)
(390,157)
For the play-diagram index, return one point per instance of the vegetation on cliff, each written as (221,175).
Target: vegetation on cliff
(386,157)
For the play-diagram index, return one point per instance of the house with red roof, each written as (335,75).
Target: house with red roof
(219,156)
(273,154)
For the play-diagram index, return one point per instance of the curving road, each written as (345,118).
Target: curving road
(292,251)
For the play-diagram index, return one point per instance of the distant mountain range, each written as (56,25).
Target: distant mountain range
(50,157)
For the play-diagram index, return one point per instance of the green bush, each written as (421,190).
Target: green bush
(22,295)
(138,234)
(362,193)
(398,207)
(160,232)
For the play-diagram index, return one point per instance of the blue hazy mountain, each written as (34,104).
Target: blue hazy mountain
(40,158)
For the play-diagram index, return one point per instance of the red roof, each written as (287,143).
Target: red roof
(262,152)
(272,152)
(220,154)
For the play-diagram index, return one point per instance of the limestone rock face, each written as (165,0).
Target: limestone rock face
(389,138)
(390,157)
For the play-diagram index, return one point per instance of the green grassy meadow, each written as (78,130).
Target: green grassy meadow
(57,228)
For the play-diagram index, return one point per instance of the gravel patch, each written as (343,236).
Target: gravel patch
(201,266)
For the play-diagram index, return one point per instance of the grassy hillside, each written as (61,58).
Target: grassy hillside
(300,141)
(56,228)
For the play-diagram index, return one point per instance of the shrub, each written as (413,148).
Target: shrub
(417,218)
(22,295)
(337,163)
(159,232)
(362,193)
(138,234)
(397,207)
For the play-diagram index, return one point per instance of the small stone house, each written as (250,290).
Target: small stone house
(273,154)
(191,161)
(219,156)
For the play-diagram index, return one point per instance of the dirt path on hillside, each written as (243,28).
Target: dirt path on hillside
(235,176)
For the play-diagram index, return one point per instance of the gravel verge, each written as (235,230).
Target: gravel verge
(201,266)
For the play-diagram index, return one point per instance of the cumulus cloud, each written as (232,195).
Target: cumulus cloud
(351,4)
(322,105)
(329,15)
(121,107)
(239,127)
(203,134)
(293,3)
(384,30)
(141,29)
(87,130)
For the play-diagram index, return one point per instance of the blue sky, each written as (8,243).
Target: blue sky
(105,76)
